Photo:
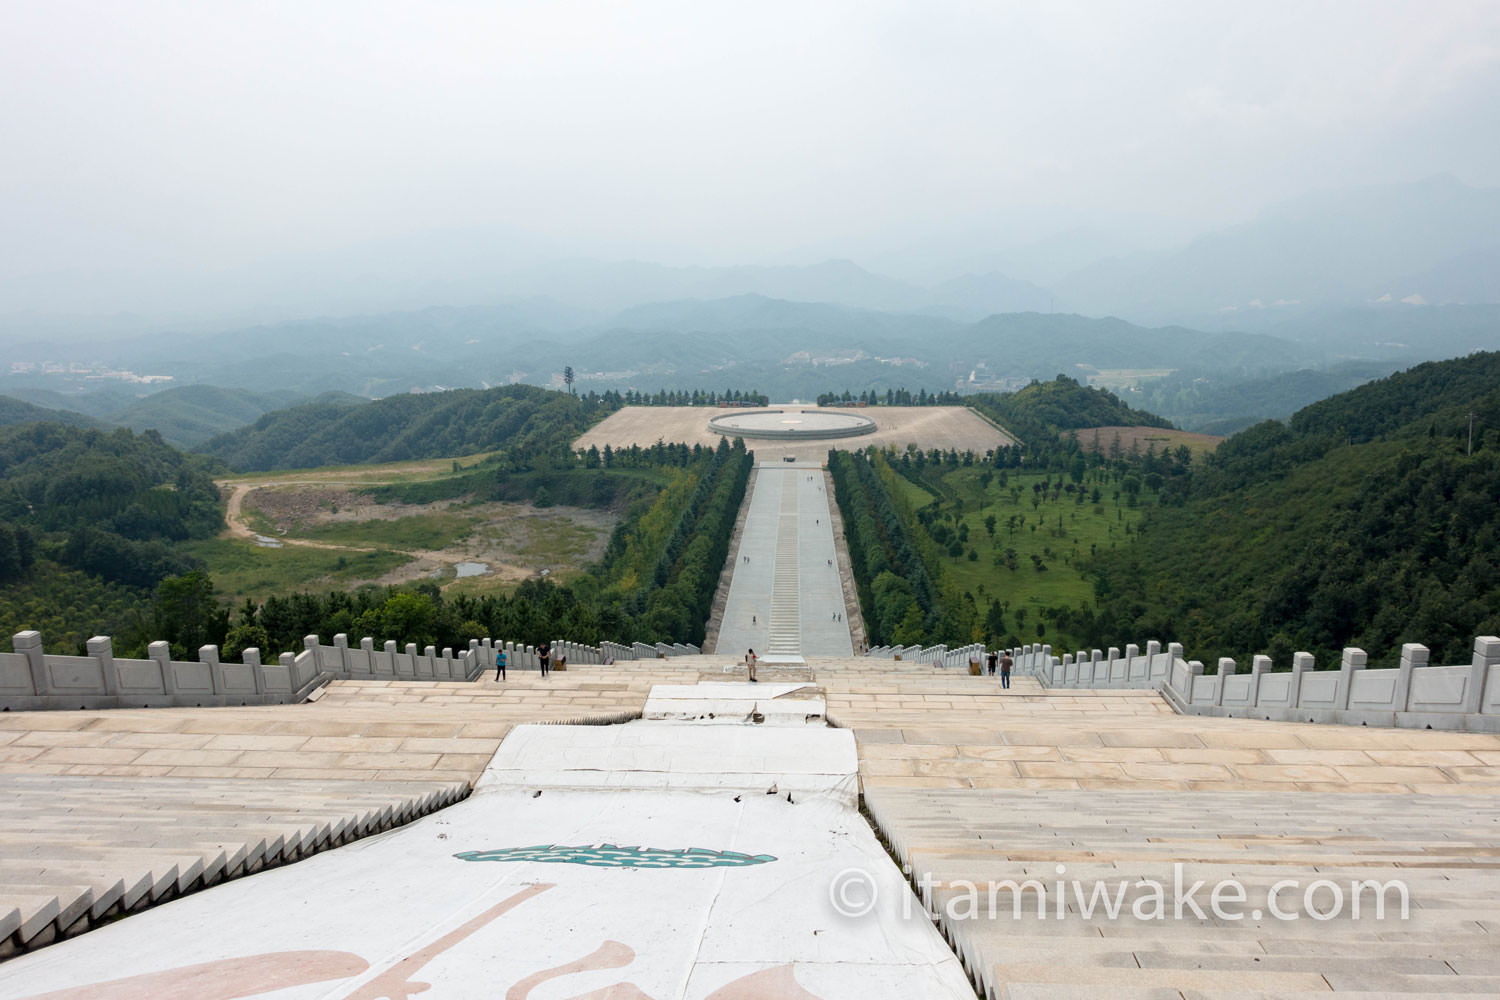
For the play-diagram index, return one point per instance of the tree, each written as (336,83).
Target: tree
(187,615)
(242,637)
(568,377)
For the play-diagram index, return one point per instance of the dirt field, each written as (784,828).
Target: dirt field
(1103,438)
(928,427)
(516,541)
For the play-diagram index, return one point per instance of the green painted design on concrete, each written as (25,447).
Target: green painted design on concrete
(610,856)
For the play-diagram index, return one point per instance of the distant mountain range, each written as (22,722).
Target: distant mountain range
(185,416)
(1396,275)
(1427,242)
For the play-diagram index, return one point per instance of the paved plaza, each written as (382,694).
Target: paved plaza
(956,428)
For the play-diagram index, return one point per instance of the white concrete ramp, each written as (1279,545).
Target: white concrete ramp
(649,861)
(671,755)
(739,702)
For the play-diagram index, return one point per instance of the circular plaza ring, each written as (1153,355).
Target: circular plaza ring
(791,425)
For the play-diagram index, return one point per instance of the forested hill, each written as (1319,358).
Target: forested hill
(14,411)
(410,426)
(107,503)
(1364,521)
(1046,408)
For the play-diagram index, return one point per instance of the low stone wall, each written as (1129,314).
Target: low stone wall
(519,656)
(939,655)
(32,680)
(1413,695)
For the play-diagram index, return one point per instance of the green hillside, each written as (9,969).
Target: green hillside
(409,426)
(1363,521)
(90,523)
(1042,409)
(189,415)
(15,411)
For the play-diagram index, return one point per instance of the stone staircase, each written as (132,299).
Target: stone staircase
(786,616)
(1447,859)
(78,851)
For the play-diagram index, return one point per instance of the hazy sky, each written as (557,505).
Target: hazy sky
(142,134)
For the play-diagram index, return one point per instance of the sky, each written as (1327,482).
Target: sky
(164,138)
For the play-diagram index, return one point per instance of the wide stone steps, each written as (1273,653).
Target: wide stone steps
(964,845)
(79,850)
(786,615)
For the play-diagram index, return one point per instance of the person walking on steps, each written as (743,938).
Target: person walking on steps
(990,659)
(544,657)
(499,664)
(750,664)
(1005,665)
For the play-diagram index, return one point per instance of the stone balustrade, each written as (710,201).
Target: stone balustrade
(939,655)
(519,656)
(31,679)
(1414,694)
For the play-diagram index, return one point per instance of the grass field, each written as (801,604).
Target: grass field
(1059,533)
(435,530)
(242,569)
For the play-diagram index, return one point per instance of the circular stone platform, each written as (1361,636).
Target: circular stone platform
(791,424)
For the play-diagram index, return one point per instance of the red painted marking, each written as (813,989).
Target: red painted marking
(396,983)
(609,955)
(225,979)
(767,984)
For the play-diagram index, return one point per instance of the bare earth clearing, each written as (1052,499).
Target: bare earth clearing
(515,541)
(1144,437)
(946,427)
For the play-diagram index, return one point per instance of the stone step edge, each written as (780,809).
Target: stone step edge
(34,921)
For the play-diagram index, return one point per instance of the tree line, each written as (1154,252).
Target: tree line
(891,397)
(897,592)
(682,397)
